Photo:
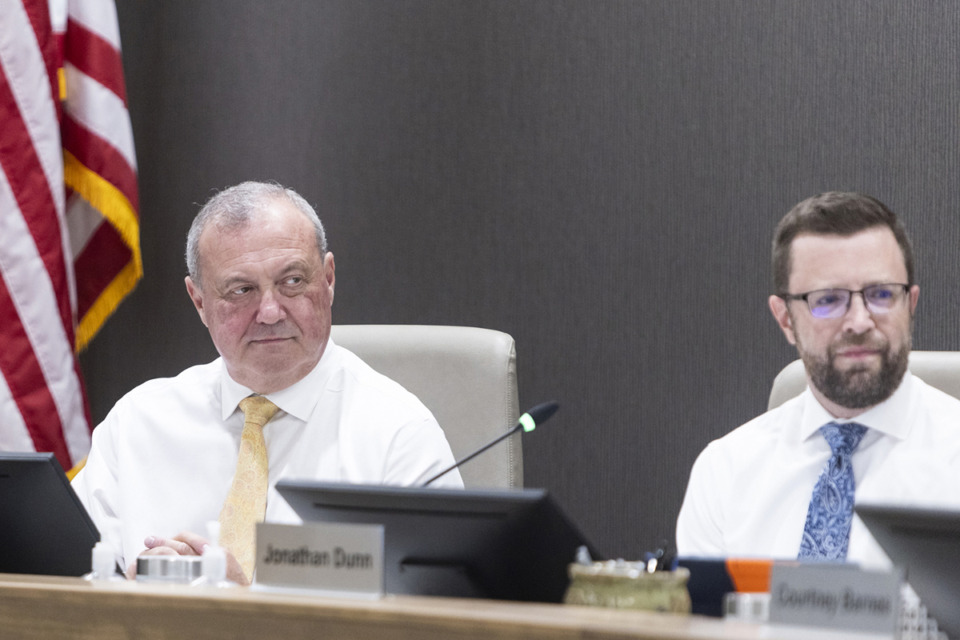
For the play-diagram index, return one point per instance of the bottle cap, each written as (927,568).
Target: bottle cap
(102,561)
(214,559)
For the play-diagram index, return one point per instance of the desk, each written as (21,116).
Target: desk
(40,607)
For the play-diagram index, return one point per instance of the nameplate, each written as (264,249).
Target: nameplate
(336,559)
(835,596)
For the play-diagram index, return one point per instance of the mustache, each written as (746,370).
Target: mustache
(863,340)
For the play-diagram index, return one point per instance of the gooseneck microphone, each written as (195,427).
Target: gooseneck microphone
(528,422)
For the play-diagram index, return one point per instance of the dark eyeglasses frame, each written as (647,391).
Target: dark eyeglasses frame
(789,297)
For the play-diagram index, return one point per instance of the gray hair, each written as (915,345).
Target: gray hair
(234,207)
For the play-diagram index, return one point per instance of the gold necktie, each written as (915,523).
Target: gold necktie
(247,501)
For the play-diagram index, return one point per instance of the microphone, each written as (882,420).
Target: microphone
(528,422)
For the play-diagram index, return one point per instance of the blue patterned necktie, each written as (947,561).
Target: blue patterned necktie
(826,533)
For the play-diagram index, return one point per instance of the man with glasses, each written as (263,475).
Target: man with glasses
(783,485)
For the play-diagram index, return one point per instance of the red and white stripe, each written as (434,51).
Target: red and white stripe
(98,137)
(42,404)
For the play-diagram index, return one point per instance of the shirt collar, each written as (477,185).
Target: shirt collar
(889,417)
(299,399)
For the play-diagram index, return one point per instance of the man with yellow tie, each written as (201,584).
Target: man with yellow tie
(281,401)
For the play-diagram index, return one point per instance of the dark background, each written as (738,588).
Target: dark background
(600,179)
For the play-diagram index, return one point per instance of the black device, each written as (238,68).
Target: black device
(502,544)
(925,542)
(45,528)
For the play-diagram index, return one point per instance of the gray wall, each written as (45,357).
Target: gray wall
(598,179)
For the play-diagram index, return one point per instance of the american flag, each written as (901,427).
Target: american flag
(69,227)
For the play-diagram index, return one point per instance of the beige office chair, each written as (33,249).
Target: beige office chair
(940,369)
(466,376)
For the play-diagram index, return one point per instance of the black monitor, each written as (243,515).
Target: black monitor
(926,542)
(506,545)
(45,528)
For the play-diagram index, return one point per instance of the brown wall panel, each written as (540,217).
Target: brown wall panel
(599,179)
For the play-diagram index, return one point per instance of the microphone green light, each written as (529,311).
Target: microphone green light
(527,422)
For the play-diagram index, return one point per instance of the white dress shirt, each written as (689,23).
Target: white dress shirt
(749,491)
(163,459)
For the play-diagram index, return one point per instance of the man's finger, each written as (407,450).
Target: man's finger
(175,546)
(194,541)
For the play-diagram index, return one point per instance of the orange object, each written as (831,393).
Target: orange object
(750,575)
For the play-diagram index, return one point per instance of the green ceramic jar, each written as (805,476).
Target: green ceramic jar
(628,585)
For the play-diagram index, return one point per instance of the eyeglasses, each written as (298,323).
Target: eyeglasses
(834,303)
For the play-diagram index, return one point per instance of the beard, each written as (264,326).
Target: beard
(858,387)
